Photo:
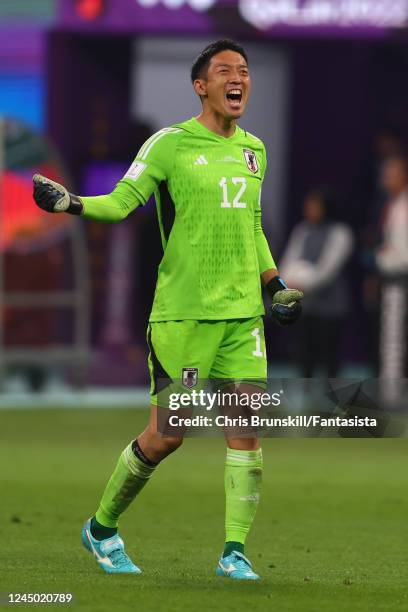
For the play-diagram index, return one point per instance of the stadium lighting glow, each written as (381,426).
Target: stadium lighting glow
(265,14)
(197,5)
(374,13)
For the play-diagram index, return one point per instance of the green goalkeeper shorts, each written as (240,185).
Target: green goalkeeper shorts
(191,352)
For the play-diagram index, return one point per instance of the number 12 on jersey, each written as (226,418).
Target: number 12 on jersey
(236,203)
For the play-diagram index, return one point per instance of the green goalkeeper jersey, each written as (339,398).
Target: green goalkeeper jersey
(207,190)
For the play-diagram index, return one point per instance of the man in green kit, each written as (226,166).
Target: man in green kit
(206,321)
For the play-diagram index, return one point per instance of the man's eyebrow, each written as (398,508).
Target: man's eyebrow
(229,65)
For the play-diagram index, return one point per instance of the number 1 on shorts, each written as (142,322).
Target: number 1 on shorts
(257,352)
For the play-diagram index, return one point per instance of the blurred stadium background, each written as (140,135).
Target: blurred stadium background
(84,82)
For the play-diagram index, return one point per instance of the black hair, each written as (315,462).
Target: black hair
(201,62)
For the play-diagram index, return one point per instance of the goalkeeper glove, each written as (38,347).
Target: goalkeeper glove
(52,197)
(286,307)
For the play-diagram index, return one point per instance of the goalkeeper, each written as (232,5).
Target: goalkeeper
(206,174)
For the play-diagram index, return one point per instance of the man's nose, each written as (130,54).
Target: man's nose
(236,78)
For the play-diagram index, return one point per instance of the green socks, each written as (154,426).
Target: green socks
(128,479)
(243,477)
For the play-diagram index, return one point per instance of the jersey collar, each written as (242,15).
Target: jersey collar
(199,126)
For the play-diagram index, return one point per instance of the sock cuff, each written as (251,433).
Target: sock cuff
(244,458)
(135,465)
(140,454)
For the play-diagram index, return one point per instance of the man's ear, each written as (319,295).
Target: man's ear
(200,87)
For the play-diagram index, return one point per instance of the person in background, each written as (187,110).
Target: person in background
(317,252)
(387,143)
(392,263)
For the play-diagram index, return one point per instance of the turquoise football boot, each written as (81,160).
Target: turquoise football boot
(109,553)
(236,566)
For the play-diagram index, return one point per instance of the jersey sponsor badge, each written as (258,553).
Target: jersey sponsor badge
(190,377)
(201,161)
(135,170)
(251,160)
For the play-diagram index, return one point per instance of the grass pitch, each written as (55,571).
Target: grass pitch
(331,531)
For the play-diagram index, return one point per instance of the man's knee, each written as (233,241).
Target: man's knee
(158,446)
(171,444)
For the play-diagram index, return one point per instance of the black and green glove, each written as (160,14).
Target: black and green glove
(286,305)
(55,198)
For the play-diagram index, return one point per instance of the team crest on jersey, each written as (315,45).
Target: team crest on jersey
(190,377)
(251,160)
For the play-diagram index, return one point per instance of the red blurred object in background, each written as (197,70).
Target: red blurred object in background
(89,9)
(21,220)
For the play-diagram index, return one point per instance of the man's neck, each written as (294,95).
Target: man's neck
(218,124)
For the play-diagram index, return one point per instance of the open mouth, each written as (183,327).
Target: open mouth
(234,97)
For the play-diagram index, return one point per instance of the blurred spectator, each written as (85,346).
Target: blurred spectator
(392,262)
(314,260)
(392,256)
(387,144)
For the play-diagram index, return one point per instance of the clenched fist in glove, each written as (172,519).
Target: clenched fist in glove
(53,197)
(286,305)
